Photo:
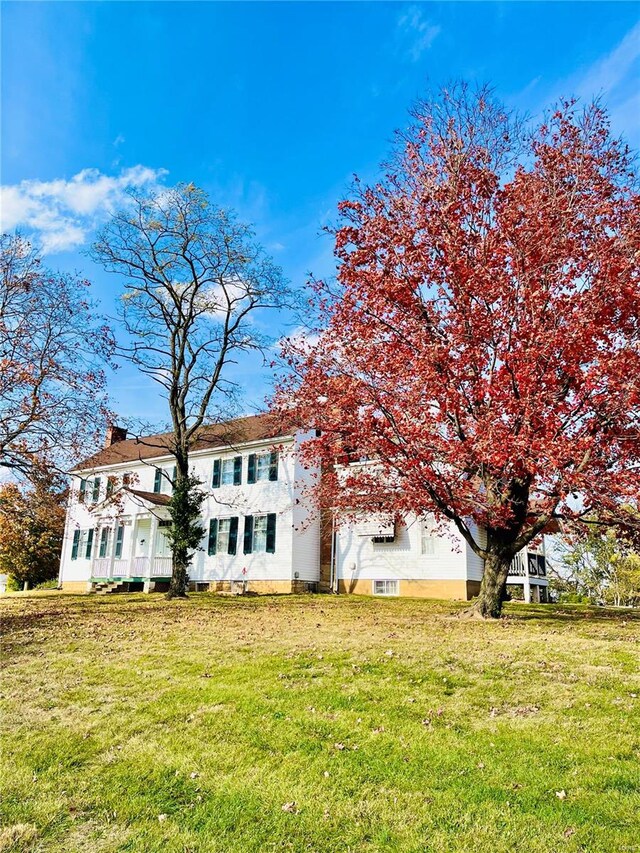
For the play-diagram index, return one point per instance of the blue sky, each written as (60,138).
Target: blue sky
(270,107)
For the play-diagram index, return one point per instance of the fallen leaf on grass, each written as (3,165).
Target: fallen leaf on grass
(561,795)
(291,808)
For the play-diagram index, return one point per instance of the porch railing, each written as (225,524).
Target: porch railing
(138,567)
(161,567)
(527,563)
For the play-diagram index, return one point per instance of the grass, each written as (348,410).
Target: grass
(317,724)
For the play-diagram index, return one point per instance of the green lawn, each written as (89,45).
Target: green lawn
(316,724)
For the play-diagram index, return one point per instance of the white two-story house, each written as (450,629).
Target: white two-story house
(262,532)
(259,533)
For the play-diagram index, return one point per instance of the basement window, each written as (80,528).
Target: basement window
(385,587)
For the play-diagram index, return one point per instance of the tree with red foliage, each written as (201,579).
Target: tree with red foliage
(481,345)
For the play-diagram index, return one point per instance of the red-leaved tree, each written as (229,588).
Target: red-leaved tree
(481,345)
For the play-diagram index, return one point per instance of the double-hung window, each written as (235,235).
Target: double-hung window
(227,472)
(260,533)
(162,475)
(82,544)
(262,467)
(95,494)
(223,536)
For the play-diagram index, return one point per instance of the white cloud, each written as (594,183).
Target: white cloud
(60,214)
(608,73)
(416,32)
(614,77)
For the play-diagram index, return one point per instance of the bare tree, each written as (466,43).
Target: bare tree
(53,347)
(195,280)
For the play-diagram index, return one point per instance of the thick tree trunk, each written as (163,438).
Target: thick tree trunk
(492,589)
(180,555)
(179,574)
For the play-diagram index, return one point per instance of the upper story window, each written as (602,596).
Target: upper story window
(227,472)
(262,467)
(89,490)
(162,481)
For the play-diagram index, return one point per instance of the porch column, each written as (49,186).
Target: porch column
(112,550)
(527,582)
(149,584)
(132,546)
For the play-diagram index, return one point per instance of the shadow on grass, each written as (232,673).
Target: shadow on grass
(570,613)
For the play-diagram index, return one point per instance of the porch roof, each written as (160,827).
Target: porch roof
(150,497)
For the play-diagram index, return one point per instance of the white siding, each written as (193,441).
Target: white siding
(294,550)
(306,522)
(475,564)
(359,558)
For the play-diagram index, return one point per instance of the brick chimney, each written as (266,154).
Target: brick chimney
(114,434)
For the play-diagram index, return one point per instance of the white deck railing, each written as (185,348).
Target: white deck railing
(525,563)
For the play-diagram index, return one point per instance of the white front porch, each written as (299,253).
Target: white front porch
(140,568)
(140,552)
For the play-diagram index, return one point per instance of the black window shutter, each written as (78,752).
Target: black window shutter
(103,543)
(273,466)
(173,477)
(89,543)
(157,483)
(76,543)
(248,533)
(251,469)
(119,538)
(215,482)
(233,535)
(237,471)
(271,533)
(96,489)
(213,536)
(109,486)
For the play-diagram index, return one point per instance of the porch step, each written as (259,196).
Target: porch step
(104,587)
